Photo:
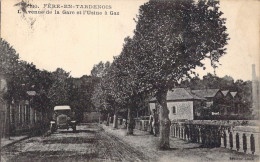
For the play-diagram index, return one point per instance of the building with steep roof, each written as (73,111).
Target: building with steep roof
(225,93)
(207,93)
(234,94)
(213,96)
(184,103)
(181,103)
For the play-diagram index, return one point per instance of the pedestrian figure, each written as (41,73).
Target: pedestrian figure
(155,123)
(125,123)
(151,123)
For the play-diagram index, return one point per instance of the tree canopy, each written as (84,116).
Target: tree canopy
(170,40)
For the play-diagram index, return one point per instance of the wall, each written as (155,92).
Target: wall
(184,110)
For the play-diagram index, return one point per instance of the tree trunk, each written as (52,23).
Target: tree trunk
(115,122)
(165,123)
(108,115)
(130,122)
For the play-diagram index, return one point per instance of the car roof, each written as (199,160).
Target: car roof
(63,107)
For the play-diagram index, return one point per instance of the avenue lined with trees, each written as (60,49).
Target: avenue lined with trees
(171,39)
(150,97)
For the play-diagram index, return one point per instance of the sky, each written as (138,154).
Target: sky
(77,42)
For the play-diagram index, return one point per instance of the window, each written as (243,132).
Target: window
(209,103)
(174,110)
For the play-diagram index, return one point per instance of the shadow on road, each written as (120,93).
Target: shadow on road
(77,131)
(70,140)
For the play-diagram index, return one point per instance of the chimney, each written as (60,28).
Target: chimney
(255,93)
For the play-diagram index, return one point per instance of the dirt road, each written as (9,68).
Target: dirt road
(89,143)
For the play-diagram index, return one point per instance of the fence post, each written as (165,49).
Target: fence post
(256,143)
(248,142)
(223,137)
(234,141)
(227,138)
(188,132)
(179,131)
(175,132)
(183,135)
(231,140)
(237,141)
(242,138)
(252,143)
(244,143)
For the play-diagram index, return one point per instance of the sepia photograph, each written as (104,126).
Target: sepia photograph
(129,80)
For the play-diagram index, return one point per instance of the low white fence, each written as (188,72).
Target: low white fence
(239,138)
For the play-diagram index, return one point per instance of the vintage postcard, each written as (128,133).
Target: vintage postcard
(129,80)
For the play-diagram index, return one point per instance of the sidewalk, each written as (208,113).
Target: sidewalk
(180,149)
(16,138)
(6,142)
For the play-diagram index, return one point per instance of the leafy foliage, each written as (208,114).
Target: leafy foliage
(58,92)
(173,37)
(80,94)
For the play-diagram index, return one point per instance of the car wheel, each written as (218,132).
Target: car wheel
(52,129)
(74,128)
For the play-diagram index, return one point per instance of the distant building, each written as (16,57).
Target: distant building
(90,117)
(227,107)
(213,96)
(25,117)
(20,116)
(234,94)
(182,104)
(236,102)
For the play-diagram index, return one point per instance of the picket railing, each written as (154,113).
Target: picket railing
(238,138)
(210,134)
(142,124)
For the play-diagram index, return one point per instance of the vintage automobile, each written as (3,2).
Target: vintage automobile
(62,119)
